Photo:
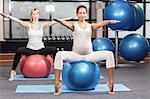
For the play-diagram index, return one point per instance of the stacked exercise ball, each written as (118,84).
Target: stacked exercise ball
(134,47)
(81,75)
(103,43)
(131,16)
(138,17)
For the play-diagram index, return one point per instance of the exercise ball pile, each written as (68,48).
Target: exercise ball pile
(139,18)
(130,15)
(134,47)
(36,66)
(81,75)
(103,43)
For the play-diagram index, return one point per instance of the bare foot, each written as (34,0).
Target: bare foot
(58,88)
(142,62)
(111,89)
(12,75)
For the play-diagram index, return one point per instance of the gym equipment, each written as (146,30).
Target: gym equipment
(104,43)
(139,18)
(122,11)
(81,75)
(36,66)
(134,47)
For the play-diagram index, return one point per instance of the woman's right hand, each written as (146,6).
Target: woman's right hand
(2,14)
(57,20)
(65,23)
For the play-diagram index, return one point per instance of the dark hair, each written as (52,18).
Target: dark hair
(81,6)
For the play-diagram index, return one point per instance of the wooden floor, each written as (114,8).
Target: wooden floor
(6,59)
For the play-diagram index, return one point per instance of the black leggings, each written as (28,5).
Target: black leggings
(26,51)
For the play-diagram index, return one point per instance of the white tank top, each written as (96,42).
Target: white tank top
(35,39)
(82,43)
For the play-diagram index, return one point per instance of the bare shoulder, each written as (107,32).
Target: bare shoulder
(92,24)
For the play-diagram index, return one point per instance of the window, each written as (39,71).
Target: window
(63,8)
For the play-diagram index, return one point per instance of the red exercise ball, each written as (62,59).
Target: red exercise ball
(36,66)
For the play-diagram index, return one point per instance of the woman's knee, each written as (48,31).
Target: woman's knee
(59,54)
(110,54)
(19,50)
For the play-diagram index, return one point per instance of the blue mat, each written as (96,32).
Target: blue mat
(50,88)
(50,77)
(21,77)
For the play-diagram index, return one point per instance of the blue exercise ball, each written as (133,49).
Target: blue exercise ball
(104,43)
(118,0)
(139,18)
(122,11)
(113,0)
(81,75)
(134,47)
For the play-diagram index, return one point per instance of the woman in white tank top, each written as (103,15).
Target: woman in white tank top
(82,48)
(35,44)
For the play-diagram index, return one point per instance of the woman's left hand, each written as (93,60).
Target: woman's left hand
(2,14)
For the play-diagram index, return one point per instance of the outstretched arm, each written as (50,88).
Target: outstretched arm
(65,23)
(103,23)
(49,23)
(25,24)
